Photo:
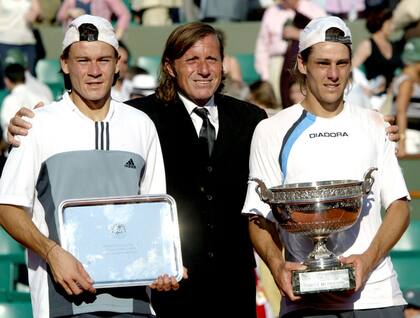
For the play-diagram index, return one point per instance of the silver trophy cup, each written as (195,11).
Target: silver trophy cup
(318,209)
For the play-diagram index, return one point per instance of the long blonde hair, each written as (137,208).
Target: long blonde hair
(179,41)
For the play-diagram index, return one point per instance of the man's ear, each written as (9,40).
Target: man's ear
(117,66)
(169,68)
(301,65)
(64,65)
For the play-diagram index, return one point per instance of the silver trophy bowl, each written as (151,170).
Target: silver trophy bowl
(317,209)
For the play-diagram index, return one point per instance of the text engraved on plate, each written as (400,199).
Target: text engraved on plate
(324,280)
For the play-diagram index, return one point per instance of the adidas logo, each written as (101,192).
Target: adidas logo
(130,164)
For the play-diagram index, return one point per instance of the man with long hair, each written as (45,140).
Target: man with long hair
(208,185)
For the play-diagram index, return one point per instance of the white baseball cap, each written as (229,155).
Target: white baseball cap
(143,84)
(102,27)
(315,32)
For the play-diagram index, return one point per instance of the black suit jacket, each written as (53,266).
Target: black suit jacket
(209,193)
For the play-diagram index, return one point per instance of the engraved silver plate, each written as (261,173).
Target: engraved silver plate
(321,281)
(124,241)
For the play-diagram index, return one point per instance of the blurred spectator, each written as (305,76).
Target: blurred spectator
(20,95)
(407,103)
(406,17)
(157,12)
(262,94)
(236,89)
(134,70)
(296,94)
(121,90)
(346,9)
(266,3)
(412,310)
(231,66)
(49,9)
(190,11)
(320,3)
(268,295)
(234,84)
(15,56)
(272,44)
(222,10)
(303,14)
(378,56)
(143,85)
(357,91)
(406,12)
(256,9)
(71,9)
(16,20)
(378,5)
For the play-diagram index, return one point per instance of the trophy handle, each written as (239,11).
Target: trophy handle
(368,180)
(262,191)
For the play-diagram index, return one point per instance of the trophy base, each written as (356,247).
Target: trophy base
(334,279)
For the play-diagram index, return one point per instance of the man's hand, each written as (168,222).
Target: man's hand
(69,272)
(363,268)
(283,277)
(18,126)
(167,283)
(392,130)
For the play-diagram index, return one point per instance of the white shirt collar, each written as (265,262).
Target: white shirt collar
(197,121)
(190,105)
(73,107)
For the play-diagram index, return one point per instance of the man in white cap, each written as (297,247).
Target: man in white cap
(80,147)
(143,85)
(323,138)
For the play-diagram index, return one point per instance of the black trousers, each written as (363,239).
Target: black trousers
(387,312)
(210,293)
